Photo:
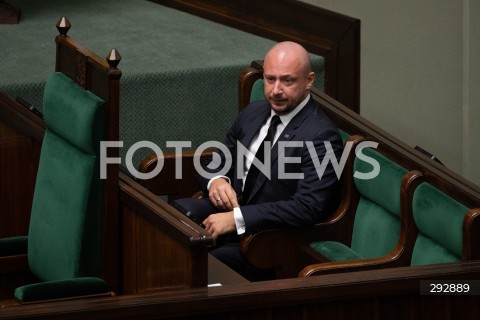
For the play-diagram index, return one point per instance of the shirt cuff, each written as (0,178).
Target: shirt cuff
(239,222)
(215,178)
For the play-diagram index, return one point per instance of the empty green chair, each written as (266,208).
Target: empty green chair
(377,218)
(444,228)
(64,242)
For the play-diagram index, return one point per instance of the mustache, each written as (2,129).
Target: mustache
(278,97)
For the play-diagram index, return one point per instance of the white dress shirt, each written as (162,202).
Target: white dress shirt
(257,140)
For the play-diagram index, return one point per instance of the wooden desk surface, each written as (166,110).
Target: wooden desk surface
(220,273)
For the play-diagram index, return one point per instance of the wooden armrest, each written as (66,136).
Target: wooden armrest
(166,183)
(281,249)
(389,261)
(471,240)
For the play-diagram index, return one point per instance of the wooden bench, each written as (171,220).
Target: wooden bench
(268,249)
(257,247)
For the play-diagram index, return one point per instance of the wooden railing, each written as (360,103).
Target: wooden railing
(392,294)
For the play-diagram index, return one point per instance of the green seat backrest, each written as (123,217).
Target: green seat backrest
(257,91)
(345,135)
(439,219)
(64,233)
(376,229)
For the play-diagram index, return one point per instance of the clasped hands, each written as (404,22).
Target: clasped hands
(224,198)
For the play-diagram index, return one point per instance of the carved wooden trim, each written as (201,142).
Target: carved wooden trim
(80,69)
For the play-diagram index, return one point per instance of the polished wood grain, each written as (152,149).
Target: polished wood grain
(21,134)
(376,294)
(161,248)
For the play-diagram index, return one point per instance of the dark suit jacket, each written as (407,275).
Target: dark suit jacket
(277,202)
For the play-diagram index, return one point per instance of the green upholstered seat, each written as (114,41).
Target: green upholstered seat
(439,220)
(64,238)
(376,228)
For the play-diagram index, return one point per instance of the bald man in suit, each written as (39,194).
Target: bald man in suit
(293,192)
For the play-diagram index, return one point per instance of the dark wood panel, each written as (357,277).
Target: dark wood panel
(378,294)
(21,133)
(18,171)
(161,248)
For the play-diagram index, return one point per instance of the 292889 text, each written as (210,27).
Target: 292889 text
(450,287)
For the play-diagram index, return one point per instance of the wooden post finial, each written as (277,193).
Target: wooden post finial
(113,58)
(63,25)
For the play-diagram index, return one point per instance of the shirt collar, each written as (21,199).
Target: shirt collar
(289,116)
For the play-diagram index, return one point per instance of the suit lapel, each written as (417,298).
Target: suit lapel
(253,125)
(291,129)
(287,135)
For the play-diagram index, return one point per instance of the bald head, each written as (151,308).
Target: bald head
(287,76)
(290,53)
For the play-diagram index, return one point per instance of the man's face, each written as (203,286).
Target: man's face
(286,83)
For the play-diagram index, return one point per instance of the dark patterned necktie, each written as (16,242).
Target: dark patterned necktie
(254,171)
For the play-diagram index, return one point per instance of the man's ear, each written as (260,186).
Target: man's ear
(310,79)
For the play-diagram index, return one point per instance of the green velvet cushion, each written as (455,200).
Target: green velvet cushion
(13,246)
(344,135)
(66,213)
(335,251)
(257,91)
(376,227)
(376,231)
(73,113)
(61,289)
(384,189)
(64,240)
(439,219)
(371,224)
(427,251)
